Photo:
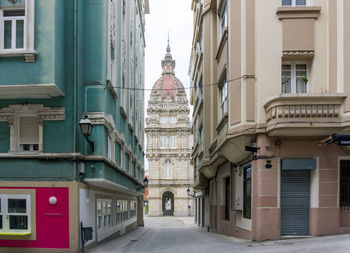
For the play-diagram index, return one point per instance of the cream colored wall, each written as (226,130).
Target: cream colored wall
(269,35)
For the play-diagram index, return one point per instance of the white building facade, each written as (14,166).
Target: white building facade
(169,145)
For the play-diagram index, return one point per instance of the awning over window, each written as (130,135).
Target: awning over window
(298,164)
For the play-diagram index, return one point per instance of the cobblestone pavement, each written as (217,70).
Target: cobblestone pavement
(180,235)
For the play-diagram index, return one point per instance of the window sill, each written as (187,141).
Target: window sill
(291,12)
(123,112)
(222,122)
(16,233)
(28,54)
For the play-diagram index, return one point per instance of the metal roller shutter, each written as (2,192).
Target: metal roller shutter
(295,202)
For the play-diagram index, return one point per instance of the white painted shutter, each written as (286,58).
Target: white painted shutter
(29,130)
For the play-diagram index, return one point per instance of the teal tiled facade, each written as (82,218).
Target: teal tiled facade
(84,58)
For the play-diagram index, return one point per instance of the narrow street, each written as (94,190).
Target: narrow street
(180,235)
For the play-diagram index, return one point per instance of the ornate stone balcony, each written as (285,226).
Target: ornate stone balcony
(303,110)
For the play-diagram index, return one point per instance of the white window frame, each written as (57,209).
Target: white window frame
(28,36)
(104,214)
(16,146)
(307,3)
(13,20)
(293,76)
(5,214)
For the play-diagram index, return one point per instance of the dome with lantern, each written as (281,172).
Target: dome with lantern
(168,85)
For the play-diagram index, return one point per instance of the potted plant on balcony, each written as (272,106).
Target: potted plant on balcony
(305,80)
(285,80)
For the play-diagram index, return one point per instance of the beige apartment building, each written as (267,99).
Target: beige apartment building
(272,84)
(169,143)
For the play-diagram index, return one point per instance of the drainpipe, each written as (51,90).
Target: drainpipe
(75,83)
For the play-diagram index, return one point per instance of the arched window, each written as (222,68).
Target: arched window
(168,170)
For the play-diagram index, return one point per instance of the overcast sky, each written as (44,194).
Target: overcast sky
(175,17)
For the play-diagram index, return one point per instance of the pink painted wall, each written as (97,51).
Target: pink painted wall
(52,231)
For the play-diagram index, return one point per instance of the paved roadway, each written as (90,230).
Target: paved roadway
(179,235)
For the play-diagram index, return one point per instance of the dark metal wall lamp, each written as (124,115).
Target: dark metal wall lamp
(145,184)
(86,129)
(189,193)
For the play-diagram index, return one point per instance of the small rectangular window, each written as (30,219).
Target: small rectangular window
(294,2)
(28,134)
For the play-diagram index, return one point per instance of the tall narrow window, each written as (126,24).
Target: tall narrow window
(110,148)
(167,170)
(344,196)
(223,98)
(294,78)
(104,213)
(12,25)
(247,191)
(227,198)
(223,19)
(163,141)
(172,141)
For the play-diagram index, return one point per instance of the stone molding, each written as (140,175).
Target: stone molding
(100,118)
(44,113)
(287,54)
(13,91)
(12,113)
(312,12)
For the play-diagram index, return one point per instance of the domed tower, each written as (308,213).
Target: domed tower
(169,145)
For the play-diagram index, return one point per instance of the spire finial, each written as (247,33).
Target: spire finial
(168,47)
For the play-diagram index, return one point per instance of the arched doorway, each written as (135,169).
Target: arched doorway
(168,204)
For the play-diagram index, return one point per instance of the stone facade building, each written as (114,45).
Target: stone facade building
(169,143)
(264,164)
